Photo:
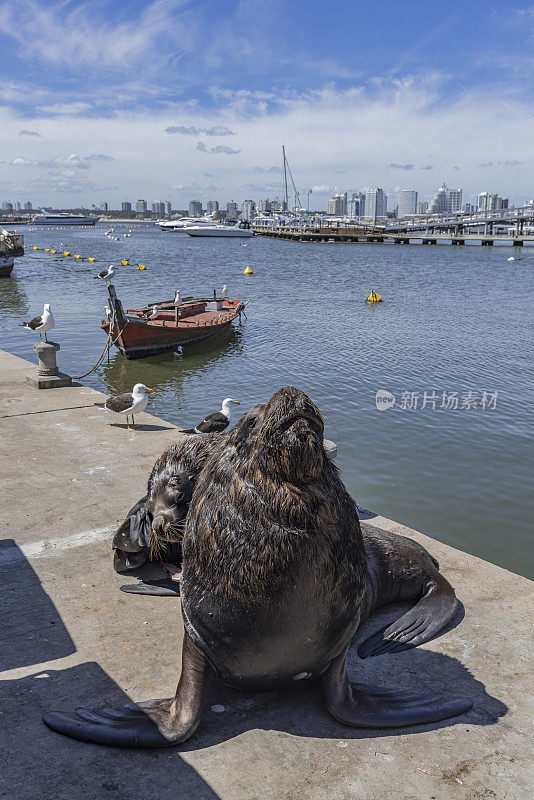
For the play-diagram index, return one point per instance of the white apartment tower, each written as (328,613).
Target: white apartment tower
(195,208)
(375,204)
(407,202)
(231,210)
(249,209)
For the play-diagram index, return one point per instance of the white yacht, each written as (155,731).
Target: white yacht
(226,231)
(63,219)
(180,225)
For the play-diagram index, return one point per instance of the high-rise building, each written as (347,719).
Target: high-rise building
(168,208)
(446,201)
(126,206)
(407,203)
(231,210)
(468,208)
(158,208)
(27,206)
(356,205)
(212,207)
(17,206)
(337,205)
(265,205)
(103,206)
(278,205)
(140,207)
(454,200)
(422,207)
(376,204)
(248,210)
(195,208)
(491,202)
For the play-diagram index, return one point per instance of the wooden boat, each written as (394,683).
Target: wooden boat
(6,267)
(192,320)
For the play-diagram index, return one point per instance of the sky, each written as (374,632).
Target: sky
(181,99)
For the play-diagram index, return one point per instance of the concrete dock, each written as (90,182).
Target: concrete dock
(69,637)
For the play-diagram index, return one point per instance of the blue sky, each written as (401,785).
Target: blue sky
(173,99)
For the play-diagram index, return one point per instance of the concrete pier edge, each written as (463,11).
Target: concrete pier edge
(69,472)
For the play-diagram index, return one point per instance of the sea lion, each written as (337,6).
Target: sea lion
(276,579)
(154,526)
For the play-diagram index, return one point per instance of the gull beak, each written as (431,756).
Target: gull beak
(149,390)
(237,402)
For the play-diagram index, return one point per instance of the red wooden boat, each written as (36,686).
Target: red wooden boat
(6,267)
(192,320)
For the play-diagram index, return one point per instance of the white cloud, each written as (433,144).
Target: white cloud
(359,131)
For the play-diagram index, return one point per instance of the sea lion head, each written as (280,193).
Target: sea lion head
(282,439)
(170,489)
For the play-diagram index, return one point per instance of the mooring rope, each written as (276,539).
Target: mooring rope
(107,347)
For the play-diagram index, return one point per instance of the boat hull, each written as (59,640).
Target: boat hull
(6,267)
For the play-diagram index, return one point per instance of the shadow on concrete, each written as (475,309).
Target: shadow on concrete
(31,630)
(142,427)
(53,767)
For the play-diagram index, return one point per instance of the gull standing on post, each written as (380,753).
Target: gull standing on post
(177,298)
(106,274)
(224,292)
(41,324)
(129,404)
(217,422)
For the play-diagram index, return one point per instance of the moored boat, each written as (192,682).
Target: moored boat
(176,323)
(6,266)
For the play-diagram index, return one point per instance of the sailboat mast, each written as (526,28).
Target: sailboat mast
(285,176)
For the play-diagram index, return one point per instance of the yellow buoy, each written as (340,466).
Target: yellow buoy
(35,248)
(374,297)
(141,266)
(248,271)
(53,251)
(124,262)
(66,253)
(90,258)
(47,249)
(78,256)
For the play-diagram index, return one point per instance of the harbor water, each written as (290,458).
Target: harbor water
(446,445)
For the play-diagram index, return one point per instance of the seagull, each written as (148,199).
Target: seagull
(41,324)
(177,298)
(154,314)
(179,350)
(224,291)
(106,274)
(107,311)
(217,422)
(129,404)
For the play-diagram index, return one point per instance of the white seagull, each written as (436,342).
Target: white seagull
(107,311)
(154,314)
(179,350)
(41,324)
(217,422)
(224,291)
(106,274)
(177,298)
(129,404)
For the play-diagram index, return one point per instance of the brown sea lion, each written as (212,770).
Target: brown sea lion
(276,579)
(154,527)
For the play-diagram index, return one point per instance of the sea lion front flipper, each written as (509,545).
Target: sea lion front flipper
(365,706)
(155,723)
(157,588)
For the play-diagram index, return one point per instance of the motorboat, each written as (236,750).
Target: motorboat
(63,219)
(179,225)
(240,229)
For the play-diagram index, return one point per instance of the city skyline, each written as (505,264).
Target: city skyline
(195,99)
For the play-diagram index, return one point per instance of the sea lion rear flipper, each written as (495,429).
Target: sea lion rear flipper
(367,706)
(155,723)
(158,588)
(404,570)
